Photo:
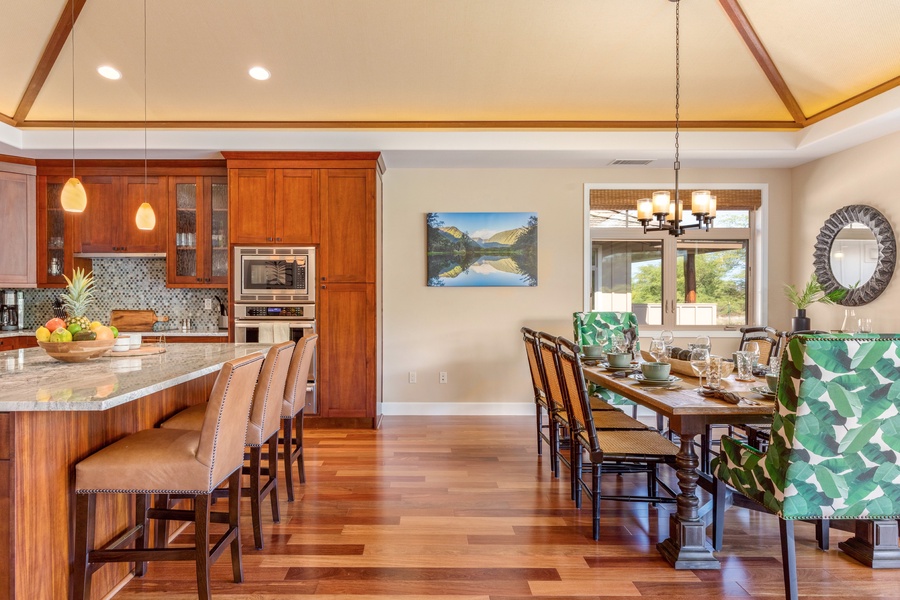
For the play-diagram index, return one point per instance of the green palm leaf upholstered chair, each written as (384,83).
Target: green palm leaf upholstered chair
(594,328)
(834,451)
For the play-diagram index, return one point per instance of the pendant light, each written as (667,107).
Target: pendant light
(73,197)
(145,217)
(666,209)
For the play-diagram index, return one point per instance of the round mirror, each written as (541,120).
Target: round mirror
(854,255)
(855,251)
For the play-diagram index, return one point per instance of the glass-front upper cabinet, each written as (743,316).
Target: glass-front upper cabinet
(54,253)
(198,232)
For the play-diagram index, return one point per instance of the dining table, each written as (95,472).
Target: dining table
(688,413)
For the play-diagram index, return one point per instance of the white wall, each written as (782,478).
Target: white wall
(473,333)
(867,174)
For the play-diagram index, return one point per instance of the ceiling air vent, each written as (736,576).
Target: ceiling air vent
(631,162)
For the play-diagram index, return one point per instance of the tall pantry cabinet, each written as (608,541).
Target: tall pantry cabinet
(331,201)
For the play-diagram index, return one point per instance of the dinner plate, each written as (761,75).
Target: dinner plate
(764,391)
(651,382)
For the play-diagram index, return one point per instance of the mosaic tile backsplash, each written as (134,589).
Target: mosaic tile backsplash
(133,283)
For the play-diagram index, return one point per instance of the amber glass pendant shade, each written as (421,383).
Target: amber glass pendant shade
(145,217)
(73,197)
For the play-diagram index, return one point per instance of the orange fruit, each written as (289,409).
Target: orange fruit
(104,333)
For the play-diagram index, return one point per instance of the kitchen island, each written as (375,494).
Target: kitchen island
(54,414)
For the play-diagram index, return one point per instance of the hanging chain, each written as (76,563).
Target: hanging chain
(73,88)
(677,223)
(145,100)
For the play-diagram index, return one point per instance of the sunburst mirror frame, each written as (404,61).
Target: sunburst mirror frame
(887,253)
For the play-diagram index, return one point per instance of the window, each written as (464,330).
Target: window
(700,279)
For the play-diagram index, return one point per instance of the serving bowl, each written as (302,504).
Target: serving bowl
(75,352)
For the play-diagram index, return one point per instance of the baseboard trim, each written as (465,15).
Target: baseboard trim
(436,409)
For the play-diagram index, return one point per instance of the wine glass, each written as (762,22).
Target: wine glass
(667,337)
(702,341)
(700,362)
(658,350)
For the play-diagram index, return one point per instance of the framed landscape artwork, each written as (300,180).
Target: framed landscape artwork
(497,249)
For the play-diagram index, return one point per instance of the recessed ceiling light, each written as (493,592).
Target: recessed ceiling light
(260,73)
(109,72)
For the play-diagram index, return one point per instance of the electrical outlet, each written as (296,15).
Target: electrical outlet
(443,378)
(412,376)
(207,303)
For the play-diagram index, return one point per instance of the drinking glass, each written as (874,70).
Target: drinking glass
(700,362)
(658,350)
(617,343)
(775,365)
(865,325)
(744,366)
(714,377)
(753,349)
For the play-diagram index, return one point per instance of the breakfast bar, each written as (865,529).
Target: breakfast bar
(54,414)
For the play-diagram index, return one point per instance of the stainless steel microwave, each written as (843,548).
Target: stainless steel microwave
(274,274)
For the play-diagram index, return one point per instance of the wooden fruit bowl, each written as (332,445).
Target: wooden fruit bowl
(76,351)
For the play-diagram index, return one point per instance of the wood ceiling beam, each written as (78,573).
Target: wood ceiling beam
(857,99)
(750,125)
(7,120)
(734,11)
(48,58)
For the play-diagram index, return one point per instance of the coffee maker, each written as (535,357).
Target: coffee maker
(9,311)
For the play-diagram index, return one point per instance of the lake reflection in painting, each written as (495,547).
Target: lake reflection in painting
(482,249)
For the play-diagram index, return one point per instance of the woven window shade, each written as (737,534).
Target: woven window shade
(627,199)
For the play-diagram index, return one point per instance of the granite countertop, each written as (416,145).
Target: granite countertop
(32,381)
(167,332)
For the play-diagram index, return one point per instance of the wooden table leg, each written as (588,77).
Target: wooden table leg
(686,546)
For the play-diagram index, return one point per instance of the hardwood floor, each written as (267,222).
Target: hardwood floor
(463,508)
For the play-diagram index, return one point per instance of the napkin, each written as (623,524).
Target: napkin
(729,397)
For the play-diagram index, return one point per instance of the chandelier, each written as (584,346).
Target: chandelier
(665,210)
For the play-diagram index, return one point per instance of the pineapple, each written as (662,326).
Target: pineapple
(78,297)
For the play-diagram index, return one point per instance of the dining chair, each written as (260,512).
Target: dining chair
(770,342)
(834,448)
(619,449)
(593,328)
(532,353)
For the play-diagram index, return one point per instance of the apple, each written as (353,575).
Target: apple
(55,323)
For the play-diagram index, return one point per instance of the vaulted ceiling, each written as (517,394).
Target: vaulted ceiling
(438,64)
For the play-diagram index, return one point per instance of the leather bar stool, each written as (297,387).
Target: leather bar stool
(265,422)
(292,411)
(154,461)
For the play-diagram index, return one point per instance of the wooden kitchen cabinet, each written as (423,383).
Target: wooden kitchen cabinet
(348,228)
(107,224)
(274,206)
(18,227)
(331,199)
(347,350)
(197,254)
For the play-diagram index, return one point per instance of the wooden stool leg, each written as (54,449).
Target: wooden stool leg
(298,445)
(201,541)
(286,451)
(273,476)
(140,542)
(255,513)
(161,539)
(234,521)
(85,505)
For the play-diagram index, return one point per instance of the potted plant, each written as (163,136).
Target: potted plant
(811,293)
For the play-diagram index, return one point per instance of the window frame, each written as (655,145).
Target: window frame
(755,234)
